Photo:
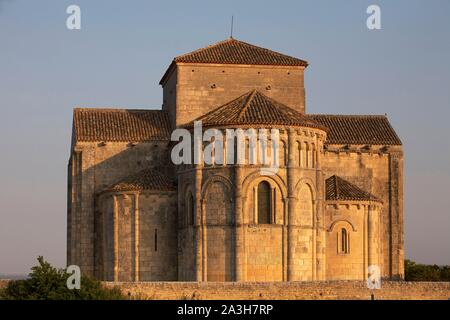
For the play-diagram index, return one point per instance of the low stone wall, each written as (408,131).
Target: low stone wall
(321,290)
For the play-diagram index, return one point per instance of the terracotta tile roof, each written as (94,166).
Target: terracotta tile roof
(147,179)
(120,125)
(340,189)
(355,129)
(254,108)
(232,51)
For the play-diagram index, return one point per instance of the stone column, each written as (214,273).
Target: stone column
(136,237)
(86,213)
(74,209)
(204,241)
(366,243)
(285,239)
(198,225)
(319,261)
(372,230)
(116,239)
(396,265)
(240,257)
(291,202)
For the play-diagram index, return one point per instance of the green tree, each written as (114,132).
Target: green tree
(48,283)
(445,273)
(423,272)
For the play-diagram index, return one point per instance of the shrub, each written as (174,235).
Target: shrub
(48,283)
(423,272)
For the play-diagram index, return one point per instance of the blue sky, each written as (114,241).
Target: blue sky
(124,47)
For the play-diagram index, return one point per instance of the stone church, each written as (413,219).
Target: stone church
(334,208)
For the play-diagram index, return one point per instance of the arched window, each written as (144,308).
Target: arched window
(190,209)
(345,241)
(264,203)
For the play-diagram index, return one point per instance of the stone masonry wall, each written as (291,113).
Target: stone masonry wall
(93,167)
(158,236)
(139,240)
(317,290)
(374,172)
(194,89)
(390,290)
(349,265)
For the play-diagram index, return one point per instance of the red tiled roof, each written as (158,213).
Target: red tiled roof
(254,108)
(147,179)
(232,51)
(357,129)
(340,189)
(120,125)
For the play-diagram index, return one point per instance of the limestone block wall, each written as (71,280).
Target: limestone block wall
(304,290)
(158,256)
(380,173)
(194,89)
(304,232)
(225,241)
(125,238)
(349,263)
(188,229)
(186,254)
(219,233)
(265,248)
(92,167)
(136,236)
(104,243)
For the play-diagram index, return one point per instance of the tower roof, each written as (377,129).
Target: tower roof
(254,108)
(232,51)
(340,189)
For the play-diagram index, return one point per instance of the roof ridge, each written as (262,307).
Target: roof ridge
(247,103)
(219,107)
(239,111)
(336,186)
(205,48)
(350,190)
(270,51)
(281,105)
(347,115)
(112,109)
(301,62)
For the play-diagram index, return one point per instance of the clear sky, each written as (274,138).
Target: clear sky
(123,48)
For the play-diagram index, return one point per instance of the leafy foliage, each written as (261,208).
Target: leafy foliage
(423,272)
(48,283)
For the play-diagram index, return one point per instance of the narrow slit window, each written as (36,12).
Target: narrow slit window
(190,209)
(264,203)
(156,239)
(345,241)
